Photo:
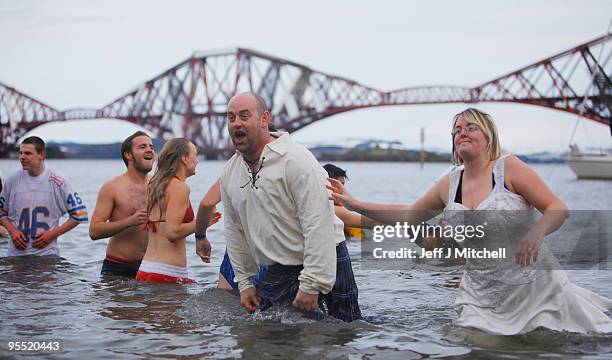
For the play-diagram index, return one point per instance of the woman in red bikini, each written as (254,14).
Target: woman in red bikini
(170,215)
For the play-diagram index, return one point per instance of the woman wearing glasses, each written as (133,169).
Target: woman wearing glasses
(500,296)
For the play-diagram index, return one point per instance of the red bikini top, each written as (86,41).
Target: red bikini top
(189,216)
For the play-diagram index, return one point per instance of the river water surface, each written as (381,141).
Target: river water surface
(408,314)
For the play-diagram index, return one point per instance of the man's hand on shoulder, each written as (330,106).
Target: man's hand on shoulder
(306,301)
(249,299)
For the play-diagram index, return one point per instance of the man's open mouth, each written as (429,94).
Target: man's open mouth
(239,135)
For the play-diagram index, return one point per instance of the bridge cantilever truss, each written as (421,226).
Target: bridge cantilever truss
(190,98)
(20,113)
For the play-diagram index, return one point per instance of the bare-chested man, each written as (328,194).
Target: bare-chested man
(121,209)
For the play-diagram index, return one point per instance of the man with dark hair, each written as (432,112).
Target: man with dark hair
(278,214)
(126,145)
(339,174)
(335,172)
(32,202)
(39,144)
(121,209)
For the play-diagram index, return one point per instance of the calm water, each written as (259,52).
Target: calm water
(408,313)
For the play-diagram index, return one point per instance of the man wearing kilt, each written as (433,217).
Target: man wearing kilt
(278,215)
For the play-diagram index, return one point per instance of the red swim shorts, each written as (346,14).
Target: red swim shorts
(161,278)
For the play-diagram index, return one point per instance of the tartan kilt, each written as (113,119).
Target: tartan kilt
(280,284)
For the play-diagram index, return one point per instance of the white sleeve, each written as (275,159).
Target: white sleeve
(72,203)
(238,250)
(306,182)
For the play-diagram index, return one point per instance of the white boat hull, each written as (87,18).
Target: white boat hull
(590,166)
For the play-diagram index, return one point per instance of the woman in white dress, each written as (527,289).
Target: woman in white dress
(513,295)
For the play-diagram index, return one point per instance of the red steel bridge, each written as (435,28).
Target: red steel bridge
(190,98)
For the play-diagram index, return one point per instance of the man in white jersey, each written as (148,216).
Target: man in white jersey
(32,202)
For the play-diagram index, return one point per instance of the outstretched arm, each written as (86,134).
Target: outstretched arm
(423,209)
(354,219)
(206,217)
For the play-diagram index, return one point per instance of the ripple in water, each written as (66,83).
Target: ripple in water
(408,311)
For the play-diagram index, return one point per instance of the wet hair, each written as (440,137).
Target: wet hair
(126,145)
(334,172)
(168,163)
(38,143)
(487,125)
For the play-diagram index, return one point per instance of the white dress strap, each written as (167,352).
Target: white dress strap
(452,184)
(498,173)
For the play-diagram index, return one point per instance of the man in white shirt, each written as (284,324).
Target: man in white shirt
(32,202)
(278,214)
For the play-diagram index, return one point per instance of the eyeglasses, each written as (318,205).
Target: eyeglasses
(471,127)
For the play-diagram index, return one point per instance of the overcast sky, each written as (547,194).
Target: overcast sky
(87,53)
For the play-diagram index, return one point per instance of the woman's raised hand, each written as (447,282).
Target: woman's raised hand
(340,196)
(216,216)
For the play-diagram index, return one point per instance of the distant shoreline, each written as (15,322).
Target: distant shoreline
(368,153)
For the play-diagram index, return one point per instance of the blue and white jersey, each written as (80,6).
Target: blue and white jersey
(34,204)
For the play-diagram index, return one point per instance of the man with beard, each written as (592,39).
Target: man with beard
(32,202)
(278,214)
(121,209)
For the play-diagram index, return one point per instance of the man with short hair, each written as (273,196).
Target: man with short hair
(278,214)
(32,202)
(339,174)
(121,209)
(335,172)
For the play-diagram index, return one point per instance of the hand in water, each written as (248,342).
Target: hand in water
(306,301)
(249,300)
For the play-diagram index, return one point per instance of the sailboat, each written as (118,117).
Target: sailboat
(589,165)
(593,165)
